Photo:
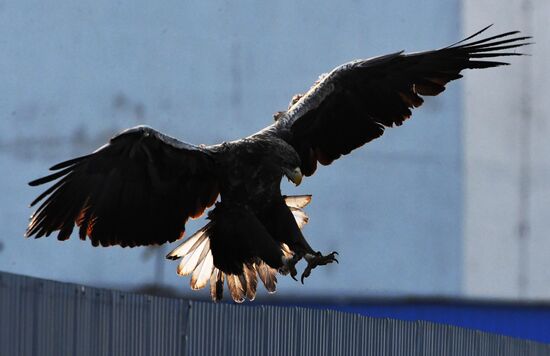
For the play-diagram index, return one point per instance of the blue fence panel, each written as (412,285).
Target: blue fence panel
(521,320)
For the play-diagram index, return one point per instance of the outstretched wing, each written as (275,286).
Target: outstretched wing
(139,189)
(354,103)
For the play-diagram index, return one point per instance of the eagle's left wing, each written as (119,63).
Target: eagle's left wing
(139,189)
(354,103)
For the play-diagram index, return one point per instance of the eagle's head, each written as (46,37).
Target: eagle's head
(282,159)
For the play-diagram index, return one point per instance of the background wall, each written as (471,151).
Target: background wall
(401,211)
(507,161)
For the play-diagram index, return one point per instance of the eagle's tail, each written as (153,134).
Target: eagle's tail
(197,261)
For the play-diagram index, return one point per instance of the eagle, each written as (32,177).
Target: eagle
(142,186)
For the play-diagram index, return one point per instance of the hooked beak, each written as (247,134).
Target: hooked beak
(295,175)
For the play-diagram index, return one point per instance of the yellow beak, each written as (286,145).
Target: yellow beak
(294,175)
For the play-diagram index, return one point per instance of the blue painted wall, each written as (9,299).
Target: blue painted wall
(75,73)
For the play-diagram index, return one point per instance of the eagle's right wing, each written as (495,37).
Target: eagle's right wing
(355,102)
(139,189)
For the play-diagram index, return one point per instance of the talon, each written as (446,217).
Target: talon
(289,266)
(305,274)
(293,273)
(315,260)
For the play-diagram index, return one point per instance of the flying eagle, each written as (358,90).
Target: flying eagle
(142,186)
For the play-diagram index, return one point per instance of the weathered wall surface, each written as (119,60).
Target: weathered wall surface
(455,202)
(75,73)
(507,160)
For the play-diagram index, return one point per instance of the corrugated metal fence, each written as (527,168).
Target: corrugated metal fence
(39,317)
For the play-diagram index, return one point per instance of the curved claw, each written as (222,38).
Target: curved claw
(317,260)
(334,258)
(289,266)
(306,273)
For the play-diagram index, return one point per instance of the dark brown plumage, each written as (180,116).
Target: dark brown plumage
(128,193)
(141,187)
(354,103)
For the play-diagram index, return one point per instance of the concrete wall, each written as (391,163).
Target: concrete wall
(507,161)
(76,73)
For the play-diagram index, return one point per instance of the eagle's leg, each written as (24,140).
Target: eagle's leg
(289,264)
(317,259)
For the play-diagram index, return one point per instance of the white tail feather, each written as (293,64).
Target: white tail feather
(201,274)
(268,276)
(189,245)
(251,281)
(216,284)
(196,259)
(190,261)
(235,288)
